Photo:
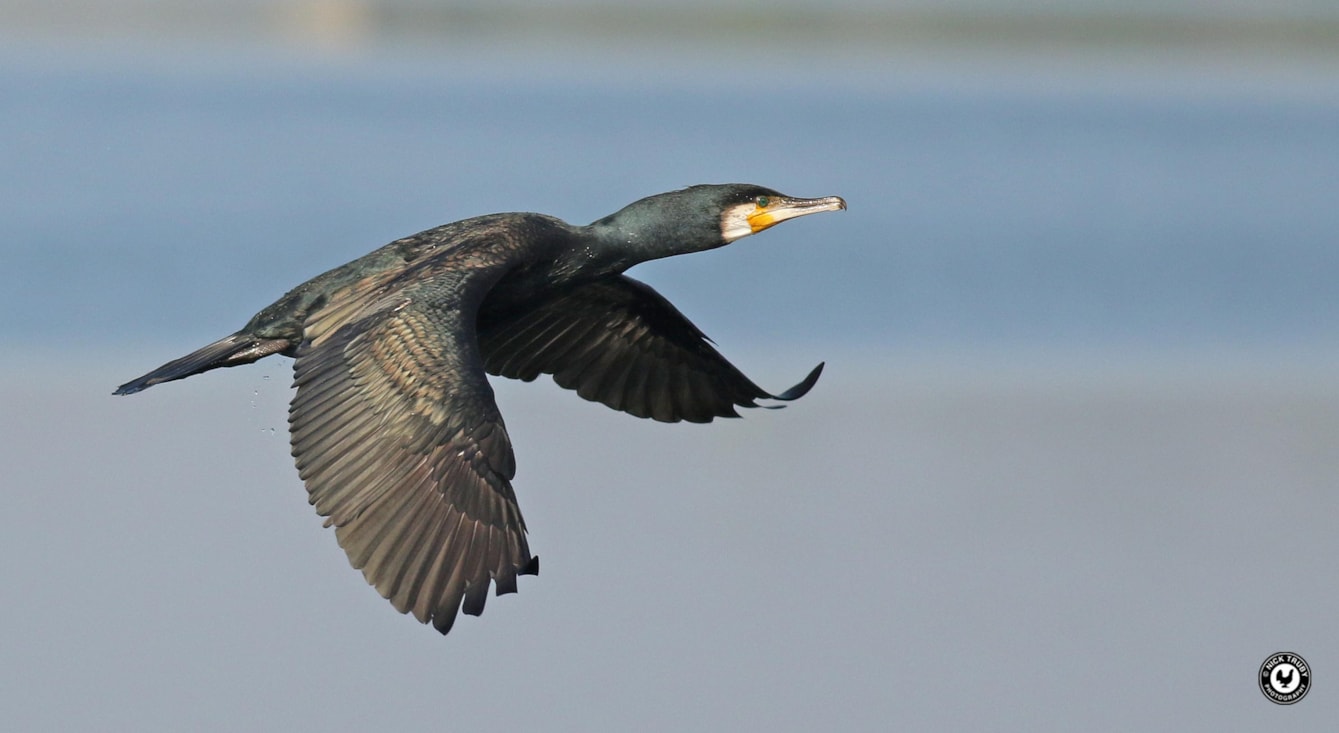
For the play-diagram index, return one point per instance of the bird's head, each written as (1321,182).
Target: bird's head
(701,217)
(746,210)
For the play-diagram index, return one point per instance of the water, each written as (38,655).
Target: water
(146,201)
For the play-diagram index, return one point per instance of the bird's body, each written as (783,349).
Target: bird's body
(394,428)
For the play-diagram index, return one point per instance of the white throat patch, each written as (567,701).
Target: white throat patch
(735,221)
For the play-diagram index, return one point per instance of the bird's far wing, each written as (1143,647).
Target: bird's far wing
(619,342)
(400,444)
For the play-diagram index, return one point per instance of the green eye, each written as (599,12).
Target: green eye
(763,201)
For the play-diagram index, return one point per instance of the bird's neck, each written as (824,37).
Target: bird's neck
(608,248)
(615,244)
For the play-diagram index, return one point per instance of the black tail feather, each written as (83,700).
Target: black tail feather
(233,350)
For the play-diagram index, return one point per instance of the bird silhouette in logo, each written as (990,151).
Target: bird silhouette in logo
(1284,680)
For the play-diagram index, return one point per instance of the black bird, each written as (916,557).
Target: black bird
(1284,680)
(393,426)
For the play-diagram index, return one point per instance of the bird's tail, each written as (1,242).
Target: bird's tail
(239,348)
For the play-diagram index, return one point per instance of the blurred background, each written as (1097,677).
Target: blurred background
(1072,462)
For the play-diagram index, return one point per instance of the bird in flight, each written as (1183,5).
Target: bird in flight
(393,424)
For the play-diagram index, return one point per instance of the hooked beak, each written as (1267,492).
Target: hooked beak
(781,208)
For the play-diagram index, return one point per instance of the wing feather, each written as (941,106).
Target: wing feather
(618,342)
(401,446)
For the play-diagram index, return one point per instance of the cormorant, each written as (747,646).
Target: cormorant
(393,426)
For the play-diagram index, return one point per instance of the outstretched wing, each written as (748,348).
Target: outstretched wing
(400,444)
(619,342)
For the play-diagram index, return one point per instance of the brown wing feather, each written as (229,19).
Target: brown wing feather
(401,446)
(619,342)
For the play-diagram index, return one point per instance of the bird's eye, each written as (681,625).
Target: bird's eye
(763,201)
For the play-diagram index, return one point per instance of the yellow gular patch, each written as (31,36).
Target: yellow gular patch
(760,219)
